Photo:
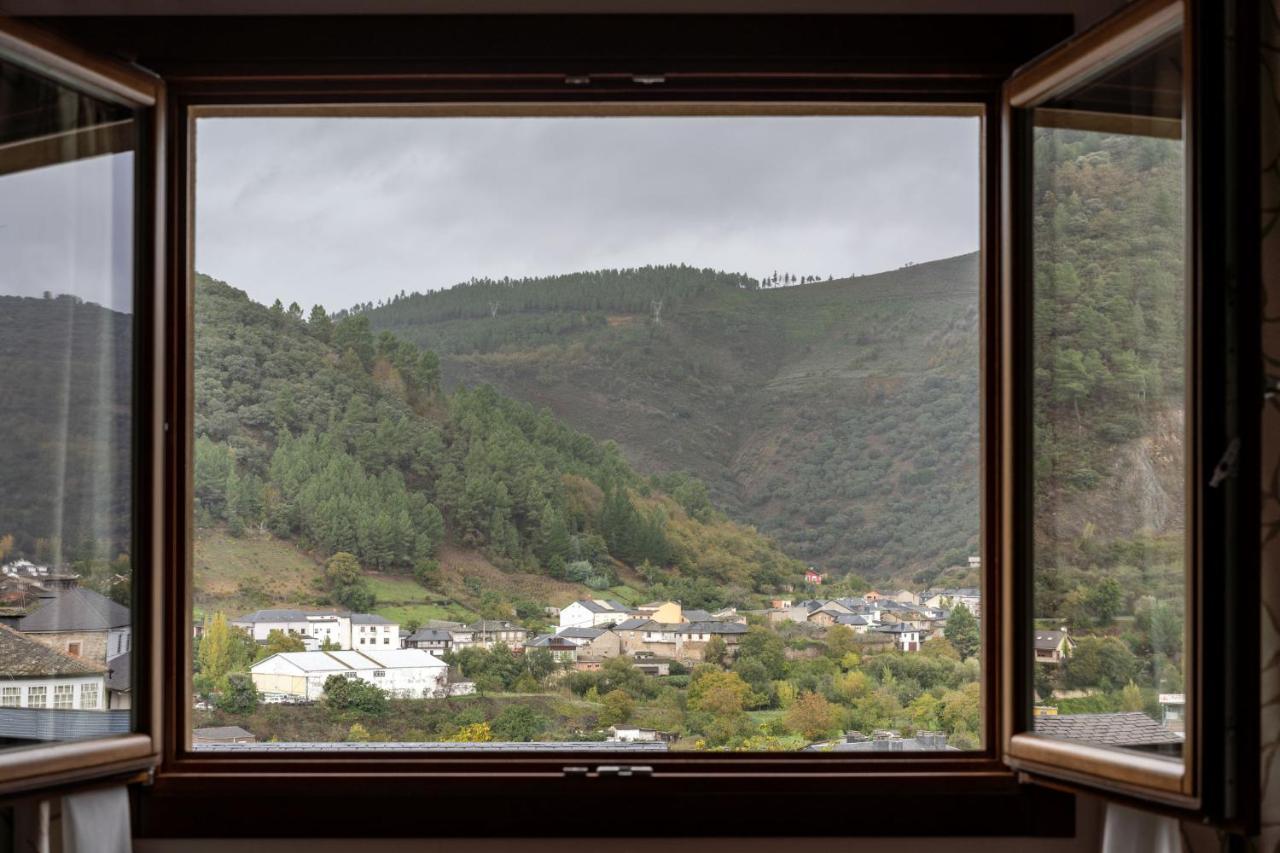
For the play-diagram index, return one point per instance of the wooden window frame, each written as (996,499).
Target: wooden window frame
(387,66)
(783,64)
(1217,776)
(33,769)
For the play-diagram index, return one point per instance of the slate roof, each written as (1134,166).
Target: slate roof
(221,732)
(580,633)
(897,629)
(543,641)
(852,619)
(714,628)
(432,746)
(23,657)
(430,634)
(75,609)
(604,605)
(631,624)
(696,616)
(1121,728)
(286,615)
(369,619)
(120,672)
(491,625)
(1048,640)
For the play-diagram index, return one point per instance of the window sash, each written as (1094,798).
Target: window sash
(119,756)
(1220,639)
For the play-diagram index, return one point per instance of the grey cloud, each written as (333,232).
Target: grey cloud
(344,210)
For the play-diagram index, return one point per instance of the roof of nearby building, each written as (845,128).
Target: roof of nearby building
(221,733)
(75,609)
(369,619)
(494,625)
(631,624)
(356,660)
(1049,640)
(897,629)
(905,744)
(287,615)
(602,605)
(23,657)
(423,635)
(546,640)
(696,615)
(714,628)
(120,672)
(580,633)
(1120,728)
(49,724)
(852,619)
(433,746)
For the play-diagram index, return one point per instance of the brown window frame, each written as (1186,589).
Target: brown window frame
(126,757)
(1217,777)
(390,63)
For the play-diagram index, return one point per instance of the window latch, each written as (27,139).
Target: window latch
(609,771)
(1226,465)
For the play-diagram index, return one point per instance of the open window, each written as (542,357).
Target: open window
(77,137)
(1102,322)
(1121,577)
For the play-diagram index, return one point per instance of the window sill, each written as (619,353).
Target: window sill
(274,805)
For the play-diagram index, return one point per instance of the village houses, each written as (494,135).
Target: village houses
(320,629)
(300,676)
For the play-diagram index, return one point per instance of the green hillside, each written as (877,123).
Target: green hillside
(840,417)
(318,434)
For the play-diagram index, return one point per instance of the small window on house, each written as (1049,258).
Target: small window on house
(89,696)
(73,649)
(64,696)
(37,697)
(10,697)
(379,673)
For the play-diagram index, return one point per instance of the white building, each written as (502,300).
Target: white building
(341,630)
(32,675)
(300,676)
(592,613)
(369,631)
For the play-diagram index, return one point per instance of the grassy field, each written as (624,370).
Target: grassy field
(236,575)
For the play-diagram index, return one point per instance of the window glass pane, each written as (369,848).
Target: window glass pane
(631,433)
(66,332)
(1110,336)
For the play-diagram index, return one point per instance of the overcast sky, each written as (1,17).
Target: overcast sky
(344,210)
(68,229)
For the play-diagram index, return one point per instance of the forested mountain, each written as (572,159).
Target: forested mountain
(840,417)
(65,406)
(342,442)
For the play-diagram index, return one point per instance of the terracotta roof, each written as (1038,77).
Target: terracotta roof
(23,657)
(1122,728)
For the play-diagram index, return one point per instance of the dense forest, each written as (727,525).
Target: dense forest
(840,417)
(66,417)
(1110,330)
(322,433)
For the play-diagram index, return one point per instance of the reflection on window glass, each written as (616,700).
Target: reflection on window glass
(1109,407)
(66,297)
(614,433)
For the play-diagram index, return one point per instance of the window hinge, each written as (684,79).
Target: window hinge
(609,771)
